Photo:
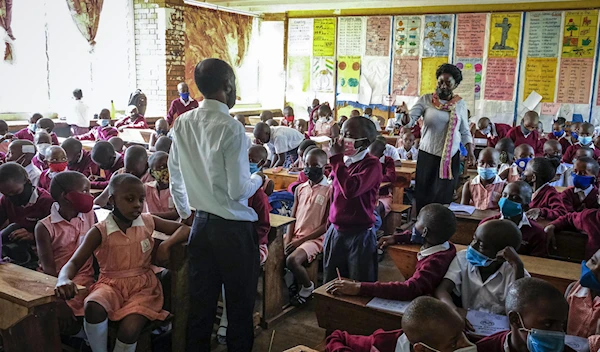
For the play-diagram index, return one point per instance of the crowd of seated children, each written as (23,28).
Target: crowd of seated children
(494,132)
(56,159)
(127,290)
(133,119)
(553,150)
(584,139)
(46,124)
(526,132)
(407,150)
(523,154)
(117,143)
(560,133)
(79,159)
(390,151)
(485,190)
(433,229)
(108,161)
(288,117)
(546,201)
(42,141)
(161,130)
(182,104)
(103,132)
(285,141)
(22,151)
(506,149)
(29,131)
(584,194)
(388,169)
(163,144)
(158,196)
(326,125)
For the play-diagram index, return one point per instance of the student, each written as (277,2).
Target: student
(494,132)
(542,137)
(313,107)
(133,120)
(158,195)
(103,132)
(162,129)
(182,104)
(427,325)
(163,144)
(354,113)
(272,123)
(284,139)
(350,242)
(302,127)
(298,165)
(585,139)
(29,131)
(313,116)
(58,236)
(513,205)
(79,159)
(546,201)
(304,239)
(127,289)
(574,130)
(560,134)
(266,115)
(485,190)
(21,151)
(524,153)
(79,117)
(388,169)
(434,227)
(526,132)
(596,141)
(325,125)
(108,161)
(5,138)
(553,150)
(584,194)
(57,162)
(368,114)
(117,143)
(394,125)
(481,274)
(288,117)
(408,151)
(389,151)
(42,141)
(48,125)
(537,313)
(241,119)
(506,148)
(343,119)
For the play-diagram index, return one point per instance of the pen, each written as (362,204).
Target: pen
(338,272)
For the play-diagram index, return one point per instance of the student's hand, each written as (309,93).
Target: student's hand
(163,253)
(551,231)
(463,314)
(344,287)
(533,214)
(292,246)
(21,235)
(337,146)
(510,255)
(386,241)
(65,289)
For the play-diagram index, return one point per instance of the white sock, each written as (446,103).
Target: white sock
(97,335)
(124,347)
(307,291)
(224,323)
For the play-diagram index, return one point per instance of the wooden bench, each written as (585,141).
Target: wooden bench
(409,163)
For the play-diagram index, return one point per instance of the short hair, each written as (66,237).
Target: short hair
(3,125)
(14,172)
(324,109)
(503,233)
(544,168)
(45,122)
(320,153)
(506,144)
(71,144)
(260,150)
(365,125)
(157,156)
(525,189)
(102,148)
(587,150)
(439,219)
(425,312)
(530,290)
(587,126)
(135,154)
(123,179)
(64,182)
(211,74)
(77,93)
(561,121)
(163,144)
(377,145)
(450,69)
(381,138)
(305,143)
(593,163)
(272,122)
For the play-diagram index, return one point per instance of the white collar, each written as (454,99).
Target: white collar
(211,104)
(324,182)
(186,103)
(30,167)
(34,196)
(477,180)
(80,156)
(55,216)
(493,132)
(117,157)
(355,158)
(586,191)
(112,227)
(505,345)
(423,253)
(524,221)
(402,345)
(539,189)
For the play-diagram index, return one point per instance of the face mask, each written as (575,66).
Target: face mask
(23,198)
(588,279)
(82,202)
(558,134)
(509,209)
(315,174)
(478,259)
(58,167)
(349,148)
(585,140)
(543,340)
(117,213)
(486,131)
(104,123)
(575,135)
(254,167)
(162,176)
(522,163)
(184,96)
(32,127)
(582,182)
(503,157)
(416,236)
(554,157)
(487,173)
(43,148)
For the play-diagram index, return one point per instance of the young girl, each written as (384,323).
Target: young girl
(103,132)
(506,148)
(584,194)
(158,195)
(546,201)
(553,150)
(42,142)
(325,125)
(56,158)
(485,190)
(59,235)
(127,289)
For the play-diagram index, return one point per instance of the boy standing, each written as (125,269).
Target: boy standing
(79,118)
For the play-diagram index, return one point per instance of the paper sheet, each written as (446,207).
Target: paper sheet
(544,34)
(460,208)
(500,79)
(574,81)
(407,35)
(405,77)
(474,64)
(300,33)
(579,36)
(579,344)
(375,70)
(298,72)
(436,40)
(532,101)
(550,109)
(365,91)
(350,36)
(388,305)
(466,89)
(487,324)
(540,76)
(321,78)
(378,36)
(428,79)
(348,74)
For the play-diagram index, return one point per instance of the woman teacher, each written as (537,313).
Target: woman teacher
(445,126)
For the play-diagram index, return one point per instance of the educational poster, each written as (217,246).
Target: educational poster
(324,37)
(579,37)
(466,88)
(300,34)
(437,32)
(475,65)
(298,73)
(407,35)
(348,74)
(544,34)
(574,81)
(350,36)
(375,71)
(500,79)
(405,76)
(505,31)
(470,34)
(428,79)
(540,76)
(322,74)
(378,36)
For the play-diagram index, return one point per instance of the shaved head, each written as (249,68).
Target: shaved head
(427,318)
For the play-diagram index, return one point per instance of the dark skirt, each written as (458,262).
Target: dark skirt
(429,187)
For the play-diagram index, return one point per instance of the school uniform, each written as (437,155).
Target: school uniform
(395,340)
(29,135)
(286,141)
(85,165)
(178,107)
(46,179)
(38,162)
(65,238)
(584,314)
(128,122)
(33,173)
(514,173)
(158,201)
(475,294)
(403,153)
(260,203)
(388,169)
(146,177)
(323,127)
(416,131)
(499,131)
(563,171)
(391,152)
(350,241)
(549,201)
(498,342)
(534,241)
(576,199)
(28,215)
(79,118)
(393,124)
(486,197)
(432,264)
(117,164)
(586,221)
(99,133)
(517,136)
(569,154)
(564,141)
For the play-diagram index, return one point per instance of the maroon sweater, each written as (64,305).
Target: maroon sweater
(355,190)
(569,154)
(572,202)
(493,343)
(516,135)
(86,166)
(564,141)
(128,122)
(550,203)
(389,174)
(341,341)
(26,133)
(39,163)
(108,173)
(28,215)
(177,108)
(260,203)
(534,239)
(502,130)
(586,221)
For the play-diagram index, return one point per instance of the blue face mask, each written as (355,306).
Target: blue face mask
(104,123)
(509,209)
(32,127)
(184,96)
(543,340)
(254,167)
(522,163)
(416,236)
(478,259)
(487,173)
(582,182)
(585,140)
(558,134)
(575,135)
(588,279)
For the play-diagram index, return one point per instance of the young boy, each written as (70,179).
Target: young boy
(288,117)
(103,132)
(29,131)
(266,115)
(182,104)
(163,144)
(585,139)
(108,161)
(260,203)
(48,125)
(408,151)
(427,325)
(537,313)
(434,227)
(546,201)
(284,139)
(57,162)
(298,165)
(21,151)
(133,120)
(158,195)
(584,194)
(79,159)
(481,274)
(559,134)
(485,190)
(553,150)
(161,130)
(79,116)
(350,242)
(117,143)
(304,239)
(492,131)
(389,151)
(302,127)
(513,205)
(377,149)
(506,148)
(523,154)
(42,141)
(526,132)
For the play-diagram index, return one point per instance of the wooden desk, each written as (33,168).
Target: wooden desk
(467,224)
(351,314)
(409,163)
(391,139)
(281,179)
(136,135)
(403,177)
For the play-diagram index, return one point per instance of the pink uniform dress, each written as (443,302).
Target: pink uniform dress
(323,128)
(310,214)
(158,202)
(127,285)
(65,238)
(486,197)
(584,313)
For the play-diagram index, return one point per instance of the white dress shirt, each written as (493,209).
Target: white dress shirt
(564,176)
(285,139)
(403,153)
(33,173)
(79,116)
(402,345)
(209,160)
(391,152)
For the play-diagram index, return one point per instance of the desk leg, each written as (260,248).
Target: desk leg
(38,332)
(180,304)
(273,284)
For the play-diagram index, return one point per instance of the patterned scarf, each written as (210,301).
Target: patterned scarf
(446,160)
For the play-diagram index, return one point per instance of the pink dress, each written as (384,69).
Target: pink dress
(584,313)
(158,202)
(486,197)
(65,238)
(513,174)
(323,128)
(127,285)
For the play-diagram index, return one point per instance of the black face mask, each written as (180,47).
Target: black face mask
(315,174)
(24,197)
(443,93)
(117,213)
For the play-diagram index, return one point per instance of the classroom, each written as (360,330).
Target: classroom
(299,176)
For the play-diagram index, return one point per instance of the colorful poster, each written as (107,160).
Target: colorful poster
(574,81)
(300,33)
(378,36)
(475,65)
(437,32)
(350,36)
(428,78)
(540,76)
(298,79)
(405,77)
(348,74)
(324,37)
(466,88)
(544,34)
(505,33)
(321,78)
(580,34)
(407,35)
(500,79)
(470,34)
(376,71)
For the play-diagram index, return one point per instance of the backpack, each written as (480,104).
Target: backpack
(138,98)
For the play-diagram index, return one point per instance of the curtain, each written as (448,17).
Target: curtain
(5,19)
(86,15)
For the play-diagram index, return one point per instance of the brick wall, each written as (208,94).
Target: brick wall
(174,49)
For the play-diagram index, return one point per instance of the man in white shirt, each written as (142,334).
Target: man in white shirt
(209,171)
(284,139)
(79,118)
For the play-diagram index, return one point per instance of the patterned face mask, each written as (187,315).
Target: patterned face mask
(161,176)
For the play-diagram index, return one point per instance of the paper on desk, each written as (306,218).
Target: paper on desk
(487,324)
(320,139)
(388,305)
(579,344)
(460,208)
(101,214)
(531,102)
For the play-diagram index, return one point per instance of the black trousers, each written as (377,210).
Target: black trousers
(429,187)
(222,252)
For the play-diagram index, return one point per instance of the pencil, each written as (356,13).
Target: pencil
(338,272)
